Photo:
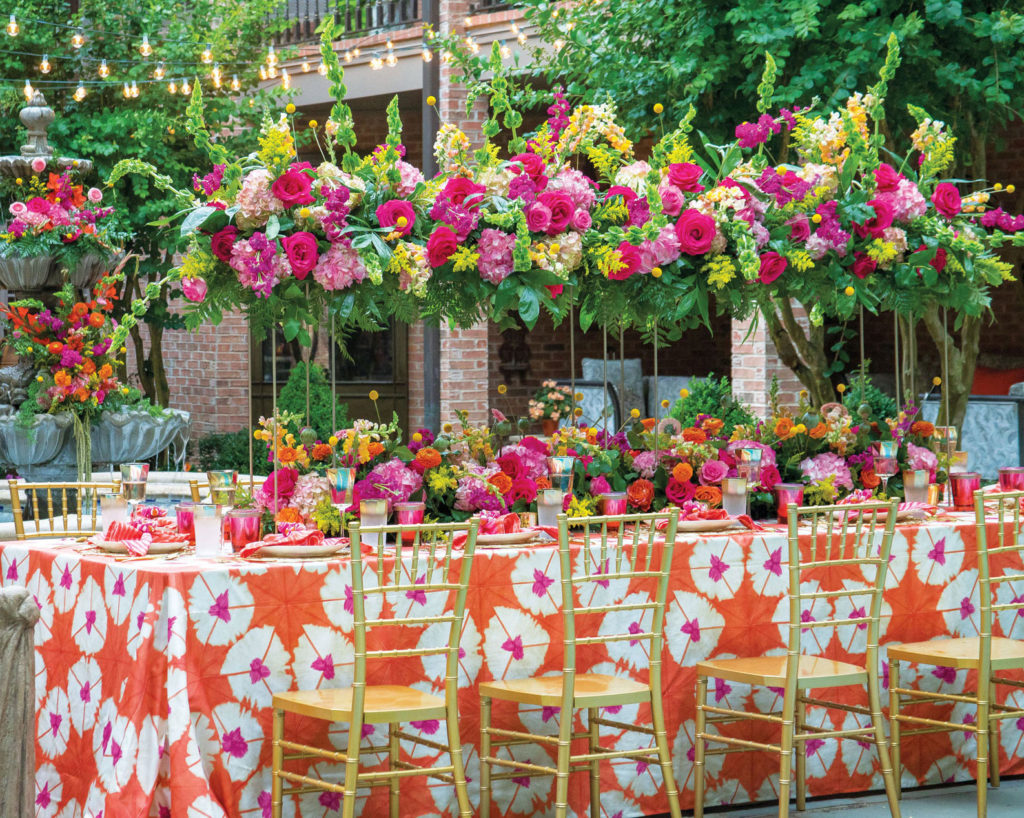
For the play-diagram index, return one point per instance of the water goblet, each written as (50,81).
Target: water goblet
(133,483)
(884,452)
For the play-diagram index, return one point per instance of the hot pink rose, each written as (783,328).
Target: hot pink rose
(441,245)
(532,166)
(561,208)
(38,165)
(95,195)
(672,200)
(686,176)
(623,191)
(712,472)
(772,266)
(581,221)
(946,199)
(389,214)
(293,188)
(863,265)
(459,189)
(538,217)
(302,252)
(939,259)
(882,219)
(512,465)
(696,232)
(770,476)
(599,485)
(886,178)
(678,493)
(194,289)
(631,261)
(799,228)
(222,241)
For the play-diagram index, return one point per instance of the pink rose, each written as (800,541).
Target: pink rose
(631,261)
(863,265)
(523,488)
(946,199)
(293,188)
(561,208)
(223,241)
(194,289)
(678,493)
(38,165)
(672,200)
(459,189)
(886,178)
(772,266)
(599,485)
(581,221)
(799,228)
(696,232)
(770,476)
(882,219)
(538,217)
(686,176)
(938,260)
(512,465)
(627,195)
(532,166)
(390,213)
(95,195)
(302,251)
(441,245)
(712,472)
(555,289)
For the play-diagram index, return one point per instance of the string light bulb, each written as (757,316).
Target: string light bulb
(271,56)
(263,72)
(159,72)
(427,54)
(391,59)
(305,66)
(515,28)
(44,66)
(504,50)
(79,94)
(355,52)
(135,90)
(12,26)
(127,91)
(172,87)
(286,80)
(216,75)
(272,71)
(186,89)
(389,45)
(521,38)
(207,55)
(145,49)
(104,69)
(29,90)
(77,40)
(347,56)
(376,63)
(322,68)
(235,84)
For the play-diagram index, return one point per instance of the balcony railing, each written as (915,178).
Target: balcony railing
(484,6)
(357,17)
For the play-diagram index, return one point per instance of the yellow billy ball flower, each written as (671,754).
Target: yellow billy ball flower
(124,350)
(1010,188)
(431,101)
(578,412)
(258,434)
(656,272)
(997,186)
(289,108)
(658,107)
(664,404)
(634,413)
(416,437)
(684,393)
(19,181)
(447,428)
(332,440)
(374,395)
(800,429)
(502,389)
(816,218)
(401,222)
(578,396)
(125,390)
(841,388)
(849,291)
(304,213)
(39,378)
(936,381)
(313,123)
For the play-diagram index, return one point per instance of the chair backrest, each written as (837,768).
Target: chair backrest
(855,537)
(196,488)
(49,519)
(418,581)
(628,549)
(997,578)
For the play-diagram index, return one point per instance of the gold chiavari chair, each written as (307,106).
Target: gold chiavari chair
(199,489)
(629,553)
(987,654)
(68,509)
(840,537)
(433,575)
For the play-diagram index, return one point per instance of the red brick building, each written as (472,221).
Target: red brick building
(212,371)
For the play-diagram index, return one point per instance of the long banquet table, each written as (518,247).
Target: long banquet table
(154,677)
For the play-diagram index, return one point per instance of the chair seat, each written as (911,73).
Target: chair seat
(813,671)
(383,704)
(960,653)
(590,690)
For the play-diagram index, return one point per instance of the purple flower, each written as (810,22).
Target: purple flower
(70,358)
(210,183)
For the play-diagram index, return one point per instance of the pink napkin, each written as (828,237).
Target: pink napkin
(311,536)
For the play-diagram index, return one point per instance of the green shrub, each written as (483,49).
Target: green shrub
(882,406)
(230,450)
(711,396)
(293,399)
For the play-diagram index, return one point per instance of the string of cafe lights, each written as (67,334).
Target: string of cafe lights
(178,81)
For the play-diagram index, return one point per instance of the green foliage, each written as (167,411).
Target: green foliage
(293,399)
(712,396)
(230,450)
(882,406)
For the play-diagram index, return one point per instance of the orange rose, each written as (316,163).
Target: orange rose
(712,425)
(89,366)
(709,494)
(82,394)
(819,431)
(375,448)
(542,483)
(869,479)
(783,428)
(428,457)
(321,451)
(286,454)
(288,515)
(922,428)
(640,494)
(501,481)
(105,372)
(692,435)
(682,472)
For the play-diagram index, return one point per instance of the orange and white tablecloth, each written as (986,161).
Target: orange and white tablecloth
(154,678)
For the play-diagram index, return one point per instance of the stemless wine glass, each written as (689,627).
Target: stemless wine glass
(560,471)
(133,483)
(884,452)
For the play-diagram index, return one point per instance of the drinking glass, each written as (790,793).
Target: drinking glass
(223,483)
(915,486)
(133,483)
(372,513)
(958,462)
(113,509)
(884,452)
(945,440)
(560,470)
(734,495)
(410,514)
(549,506)
(748,464)
(1011,478)
(243,525)
(787,493)
(612,503)
(963,485)
(936,494)
(206,521)
(185,518)
(341,481)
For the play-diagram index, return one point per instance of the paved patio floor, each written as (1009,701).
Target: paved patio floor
(954,801)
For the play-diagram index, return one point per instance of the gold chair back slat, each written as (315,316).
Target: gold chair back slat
(85,507)
(994,575)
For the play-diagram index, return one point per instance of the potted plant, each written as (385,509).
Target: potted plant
(550,403)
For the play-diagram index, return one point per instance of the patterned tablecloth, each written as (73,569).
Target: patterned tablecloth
(154,678)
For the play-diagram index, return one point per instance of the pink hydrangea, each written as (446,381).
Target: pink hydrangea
(533,458)
(255,201)
(825,465)
(410,176)
(662,250)
(576,186)
(340,267)
(309,490)
(918,457)
(474,493)
(645,463)
(495,248)
(392,481)
(906,201)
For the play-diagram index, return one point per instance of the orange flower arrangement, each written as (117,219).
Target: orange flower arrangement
(682,473)
(819,431)
(287,454)
(712,495)
(693,435)
(428,457)
(922,428)
(640,494)
(321,451)
(375,448)
(783,428)
(501,481)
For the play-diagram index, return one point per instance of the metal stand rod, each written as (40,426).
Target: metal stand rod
(604,397)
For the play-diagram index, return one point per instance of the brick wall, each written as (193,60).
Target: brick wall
(755,362)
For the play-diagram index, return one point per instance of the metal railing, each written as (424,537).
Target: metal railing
(357,17)
(489,5)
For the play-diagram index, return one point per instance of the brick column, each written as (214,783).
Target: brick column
(755,362)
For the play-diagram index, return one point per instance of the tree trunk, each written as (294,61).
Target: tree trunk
(958,355)
(803,351)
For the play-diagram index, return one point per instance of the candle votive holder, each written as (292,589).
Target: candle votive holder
(1011,478)
(243,527)
(915,485)
(223,483)
(372,513)
(410,514)
(113,509)
(206,525)
(748,464)
(963,485)
(185,519)
(936,493)
(612,504)
(786,493)
(560,471)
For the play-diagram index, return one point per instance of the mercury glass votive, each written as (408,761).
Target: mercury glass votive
(786,493)
(963,485)
(243,527)
(410,513)
(1011,478)
(734,495)
(185,518)
(915,485)
(560,470)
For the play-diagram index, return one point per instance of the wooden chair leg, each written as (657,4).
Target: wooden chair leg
(459,773)
(664,756)
(595,766)
(485,752)
(277,754)
(698,747)
(393,757)
(894,726)
(993,742)
(800,748)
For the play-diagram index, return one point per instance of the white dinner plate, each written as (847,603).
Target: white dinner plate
(512,538)
(328,548)
(706,526)
(112,547)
